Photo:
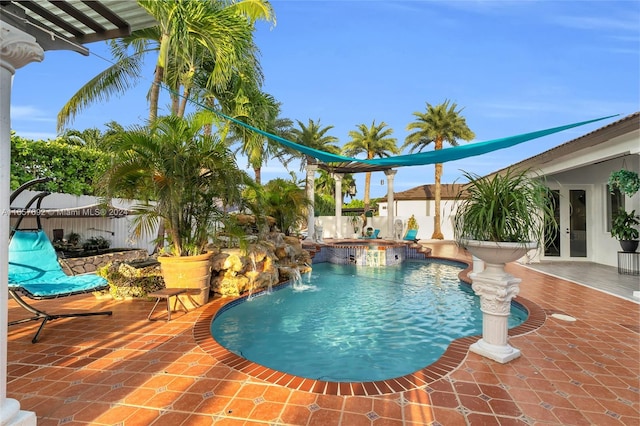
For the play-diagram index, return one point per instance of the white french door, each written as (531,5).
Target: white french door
(571,242)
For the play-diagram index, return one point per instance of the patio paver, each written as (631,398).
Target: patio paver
(126,370)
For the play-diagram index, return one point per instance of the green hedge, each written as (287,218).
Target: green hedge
(75,168)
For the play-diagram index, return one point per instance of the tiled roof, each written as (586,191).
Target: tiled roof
(449,191)
(625,125)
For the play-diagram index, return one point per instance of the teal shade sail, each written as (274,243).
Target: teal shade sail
(422,158)
(470,150)
(419,159)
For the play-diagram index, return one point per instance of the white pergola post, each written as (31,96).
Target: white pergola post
(338,196)
(390,202)
(311,189)
(17,49)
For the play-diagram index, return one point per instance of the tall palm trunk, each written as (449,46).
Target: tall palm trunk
(154,100)
(258,173)
(154,97)
(437,230)
(154,94)
(183,103)
(208,128)
(367,189)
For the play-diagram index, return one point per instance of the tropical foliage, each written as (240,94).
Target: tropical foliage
(287,203)
(624,225)
(261,111)
(75,168)
(92,137)
(314,136)
(506,207)
(438,124)
(325,185)
(182,175)
(324,205)
(199,47)
(373,141)
(626,181)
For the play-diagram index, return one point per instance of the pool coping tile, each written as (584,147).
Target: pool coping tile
(453,356)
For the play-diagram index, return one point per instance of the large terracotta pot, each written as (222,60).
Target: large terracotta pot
(192,272)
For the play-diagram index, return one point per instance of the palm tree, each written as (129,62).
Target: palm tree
(192,33)
(438,124)
(286,201)
(314,136)
(189,35)
(261,111)
(187,174)
(373,141)
(325,185)
(93,137)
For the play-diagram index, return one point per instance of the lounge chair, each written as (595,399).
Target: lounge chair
(34,272)
(373,236)
(411,235)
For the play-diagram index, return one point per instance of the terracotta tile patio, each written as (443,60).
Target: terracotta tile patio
(126,370)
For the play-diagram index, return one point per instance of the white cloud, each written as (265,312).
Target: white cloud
(585,108)
(627,23)
(31,113)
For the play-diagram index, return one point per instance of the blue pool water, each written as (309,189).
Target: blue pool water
(346,323)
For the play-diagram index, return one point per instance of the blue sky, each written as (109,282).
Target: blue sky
(513,67)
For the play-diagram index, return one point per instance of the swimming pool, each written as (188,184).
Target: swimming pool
(354,324)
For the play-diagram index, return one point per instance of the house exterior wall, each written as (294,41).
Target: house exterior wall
(592,167)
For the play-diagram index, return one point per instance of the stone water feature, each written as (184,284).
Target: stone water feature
(263,265)
(234,271)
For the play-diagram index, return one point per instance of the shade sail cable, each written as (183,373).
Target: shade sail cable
(419,159)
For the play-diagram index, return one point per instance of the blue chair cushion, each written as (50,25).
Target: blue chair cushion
(411,235)
(34,269)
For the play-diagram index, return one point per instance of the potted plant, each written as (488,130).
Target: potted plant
(73,239)
(512,210)
(498,220)
(182,177)
(626,181)
(623,228)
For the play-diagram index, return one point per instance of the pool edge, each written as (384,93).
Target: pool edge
(447,363)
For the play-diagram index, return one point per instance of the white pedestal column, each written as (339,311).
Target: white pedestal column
(478,264)
(17,49)
(496,288)
(391,213)
(338,197)
(311,189)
